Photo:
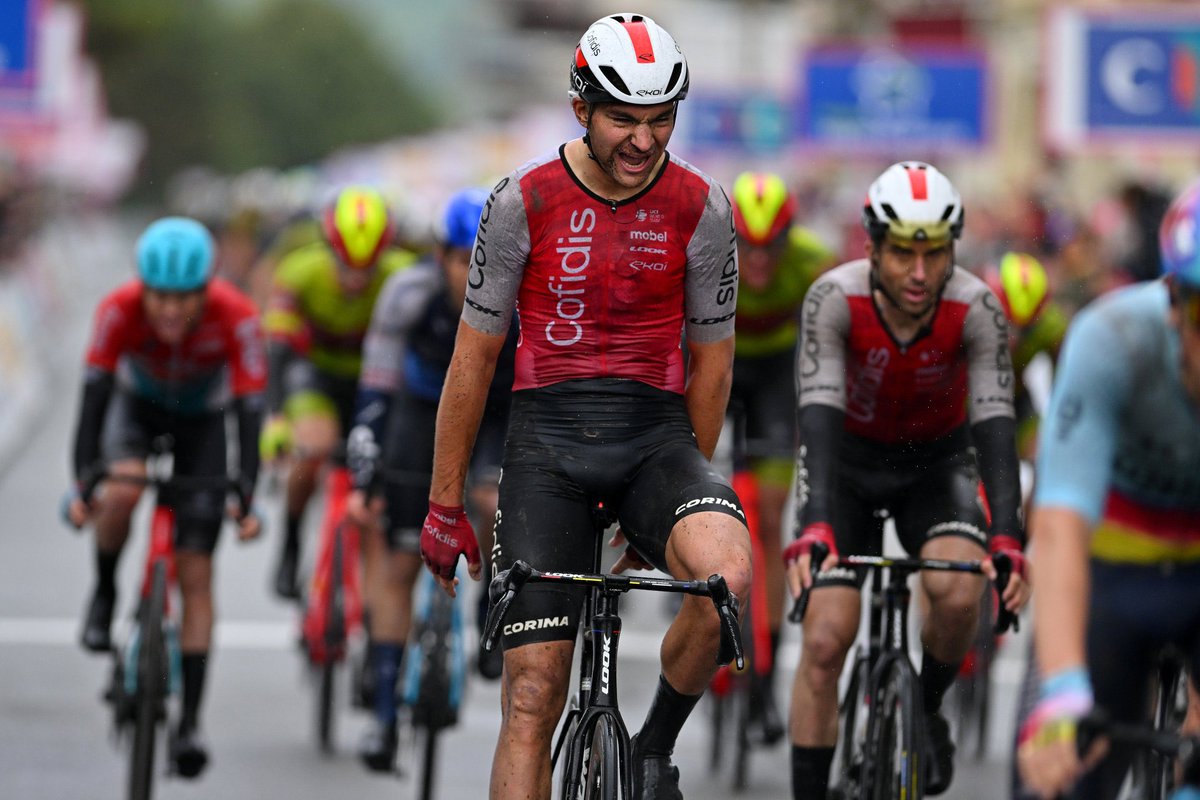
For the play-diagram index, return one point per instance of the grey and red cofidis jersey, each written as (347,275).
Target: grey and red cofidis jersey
(900,394)
(222,356)
(604,289)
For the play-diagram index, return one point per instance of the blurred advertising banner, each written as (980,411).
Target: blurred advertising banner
(746,123)
(1120,76)
(893,100)
(18,35)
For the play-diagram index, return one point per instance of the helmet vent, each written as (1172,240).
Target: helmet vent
(891,212)
(674,79)
(947,213)
(614,78)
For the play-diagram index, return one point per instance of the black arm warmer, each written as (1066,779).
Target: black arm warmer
(97,392)
(279,356)
(249,413)
(372,408)
(821,429)
(996,452)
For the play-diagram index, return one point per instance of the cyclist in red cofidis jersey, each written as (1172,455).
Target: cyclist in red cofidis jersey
(611,250)
(905,400)
(171,353)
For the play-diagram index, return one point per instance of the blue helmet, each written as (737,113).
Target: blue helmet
(461,219)
(175,254)
(1179,238)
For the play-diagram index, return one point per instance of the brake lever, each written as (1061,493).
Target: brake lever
(1005,619)
(502,591)
(817,555)
(731,630)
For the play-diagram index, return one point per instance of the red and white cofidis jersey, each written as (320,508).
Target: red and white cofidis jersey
(222,356)
(915,393)
(604,289)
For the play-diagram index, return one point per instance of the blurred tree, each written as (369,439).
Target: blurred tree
(281,86)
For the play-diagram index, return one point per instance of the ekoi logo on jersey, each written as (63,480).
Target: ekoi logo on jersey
(576,254)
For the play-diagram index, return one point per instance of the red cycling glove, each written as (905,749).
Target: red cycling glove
(1002,543)
(814,533)
(445,536)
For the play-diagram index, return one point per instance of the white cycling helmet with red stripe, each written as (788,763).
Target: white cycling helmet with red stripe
(913,200)
(628,58)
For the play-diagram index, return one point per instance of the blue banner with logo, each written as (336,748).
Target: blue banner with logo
(753,124)
(1143,75)
(1123,76)
(894,100)
(18,30)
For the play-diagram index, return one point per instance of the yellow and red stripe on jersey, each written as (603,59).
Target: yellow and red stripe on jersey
(1134,533)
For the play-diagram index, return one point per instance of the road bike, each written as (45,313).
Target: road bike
(880,750)
(146,670)
(333,606)
(1175,755)
(733,692)
(593,742)
(433,679)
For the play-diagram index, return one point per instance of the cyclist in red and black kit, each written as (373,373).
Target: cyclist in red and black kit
(611,249)
(905,397)
(170,354)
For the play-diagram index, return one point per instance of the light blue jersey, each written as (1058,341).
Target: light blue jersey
(1121,441)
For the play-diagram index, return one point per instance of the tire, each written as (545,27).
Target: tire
(603,776)
(896,737)
(151,687)
(326,690)
(429,764)
(335,639)
(720,710)
(740,697)
(852,723)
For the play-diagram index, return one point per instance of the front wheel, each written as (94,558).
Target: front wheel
(335,644)
(429,764)
(897,740)
(852,733)
(602,780)
(151,687)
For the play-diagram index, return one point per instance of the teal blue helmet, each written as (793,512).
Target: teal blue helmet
(175,254)
(461,218)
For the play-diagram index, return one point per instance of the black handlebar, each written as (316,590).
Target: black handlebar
(180,482)
(507,584)
(1005,619)
(1097,725)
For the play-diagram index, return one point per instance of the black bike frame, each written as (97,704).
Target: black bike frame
(598,691)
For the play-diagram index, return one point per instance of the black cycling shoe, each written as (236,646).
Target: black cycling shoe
(654,776)
(96,636)
(940,758)
(287,586)
(378,746)
(189,754)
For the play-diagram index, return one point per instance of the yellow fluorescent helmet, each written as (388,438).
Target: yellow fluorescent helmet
(358,226)
(763,207)
(1025,287)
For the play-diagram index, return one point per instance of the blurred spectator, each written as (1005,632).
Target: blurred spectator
(1084,272)
(239,243)
(20,208)
(1145,205)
